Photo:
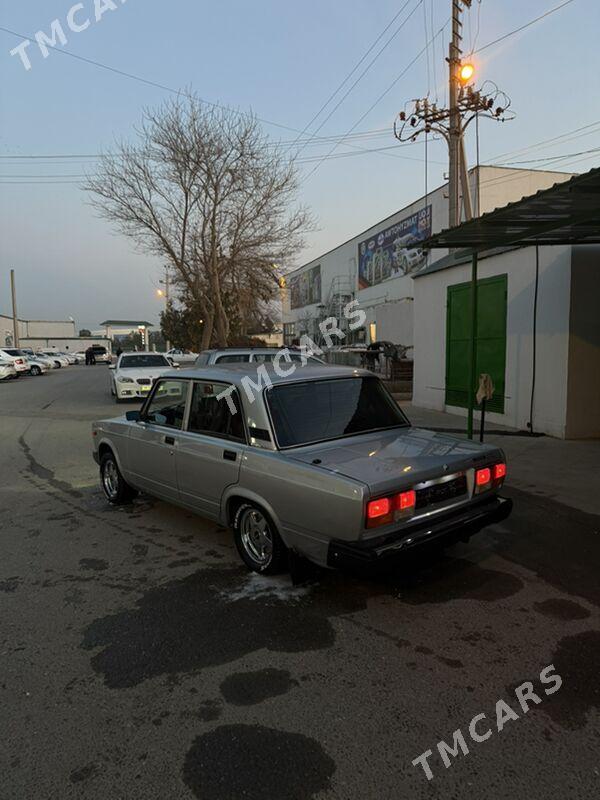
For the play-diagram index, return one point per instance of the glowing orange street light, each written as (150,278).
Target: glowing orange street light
(160,293)
(465,73)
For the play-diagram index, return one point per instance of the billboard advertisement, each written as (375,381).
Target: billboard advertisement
(394,251)
(305,289)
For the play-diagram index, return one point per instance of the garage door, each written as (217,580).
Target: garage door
(490,342)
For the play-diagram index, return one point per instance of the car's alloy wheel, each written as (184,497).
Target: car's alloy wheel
(115,487)
(36,371)
(257,540)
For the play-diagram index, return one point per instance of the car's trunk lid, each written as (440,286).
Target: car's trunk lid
(392,460)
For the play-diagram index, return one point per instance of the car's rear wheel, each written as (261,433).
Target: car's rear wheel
(58,364)
(117,490)
(35,370)
(258,541)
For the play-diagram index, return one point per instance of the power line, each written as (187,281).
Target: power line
(376,103)
(522,28)
(367,68)
(351,73)
(548,142)
(155,84)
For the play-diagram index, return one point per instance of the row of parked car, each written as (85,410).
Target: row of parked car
(15,362)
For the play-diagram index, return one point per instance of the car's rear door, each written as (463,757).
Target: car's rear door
(155,439)
(211,449)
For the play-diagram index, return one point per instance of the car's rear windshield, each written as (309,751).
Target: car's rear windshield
(317,411)
(97,349)
(143,362)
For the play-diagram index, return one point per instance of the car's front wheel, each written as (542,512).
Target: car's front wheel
(258,541)
(117,490)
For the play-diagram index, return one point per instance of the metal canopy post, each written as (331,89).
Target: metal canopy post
(472,347)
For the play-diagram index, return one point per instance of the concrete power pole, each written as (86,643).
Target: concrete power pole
(455,127)
(13,290)
(466,103)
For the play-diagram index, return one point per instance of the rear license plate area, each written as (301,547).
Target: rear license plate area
(441,492)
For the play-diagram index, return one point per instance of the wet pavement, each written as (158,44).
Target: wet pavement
(141,660)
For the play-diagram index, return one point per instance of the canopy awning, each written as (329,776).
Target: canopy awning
(567,213)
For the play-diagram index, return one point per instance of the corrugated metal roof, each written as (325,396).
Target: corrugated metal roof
(566,213)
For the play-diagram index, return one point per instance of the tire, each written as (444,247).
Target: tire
(58,364)
(116,489)
(35,370)
(254,533)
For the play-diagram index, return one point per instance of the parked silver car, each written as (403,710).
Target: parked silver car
(251,355)
(321,462)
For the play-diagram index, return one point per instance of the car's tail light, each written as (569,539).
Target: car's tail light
(483,476)
(490,477)
(406,500)
(499,471)
(379,508)
(389,509)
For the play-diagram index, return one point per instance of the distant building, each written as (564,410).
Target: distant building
(38,334)
(376,267)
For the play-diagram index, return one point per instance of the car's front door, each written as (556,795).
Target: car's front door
(155,438)
(210,451)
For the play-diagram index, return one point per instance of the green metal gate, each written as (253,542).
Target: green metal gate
(490,339)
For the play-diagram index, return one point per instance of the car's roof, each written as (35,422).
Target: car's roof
(142,353)
(233,373)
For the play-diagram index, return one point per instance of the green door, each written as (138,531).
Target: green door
(490,341)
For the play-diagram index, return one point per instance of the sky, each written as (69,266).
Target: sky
(282,61)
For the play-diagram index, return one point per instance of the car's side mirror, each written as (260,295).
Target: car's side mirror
(112,366)
(133,416)
(176,364)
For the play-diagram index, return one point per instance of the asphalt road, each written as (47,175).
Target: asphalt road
(140,660)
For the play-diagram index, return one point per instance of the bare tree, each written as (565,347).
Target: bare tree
(207,190)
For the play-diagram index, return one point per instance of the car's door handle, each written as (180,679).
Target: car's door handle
(169,440)
(229,455)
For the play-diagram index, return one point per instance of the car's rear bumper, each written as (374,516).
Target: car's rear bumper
(453,526)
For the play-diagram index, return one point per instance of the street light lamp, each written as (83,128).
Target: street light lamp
(466,73)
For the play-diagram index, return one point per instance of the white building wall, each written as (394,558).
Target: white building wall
(496,186)
(35,328)
(550,400)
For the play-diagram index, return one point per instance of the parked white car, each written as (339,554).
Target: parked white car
(181,356)
(252,355)
(37,366)
(16,358)
(46,360)
(134,374)
(58,359)
(7,370)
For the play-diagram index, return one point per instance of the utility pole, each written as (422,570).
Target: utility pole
(465,104)
(166,295)
(454,127)
(13,289)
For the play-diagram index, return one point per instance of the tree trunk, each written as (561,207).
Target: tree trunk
(207,332)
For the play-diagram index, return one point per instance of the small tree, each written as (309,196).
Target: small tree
(206,190)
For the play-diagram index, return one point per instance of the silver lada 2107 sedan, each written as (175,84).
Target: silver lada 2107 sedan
(321,462)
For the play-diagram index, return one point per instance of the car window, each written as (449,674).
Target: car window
(143,362)
(202,359)
(233,358)
(262,358)
(212,416)
(311,360)
(317,411)
(167,406)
